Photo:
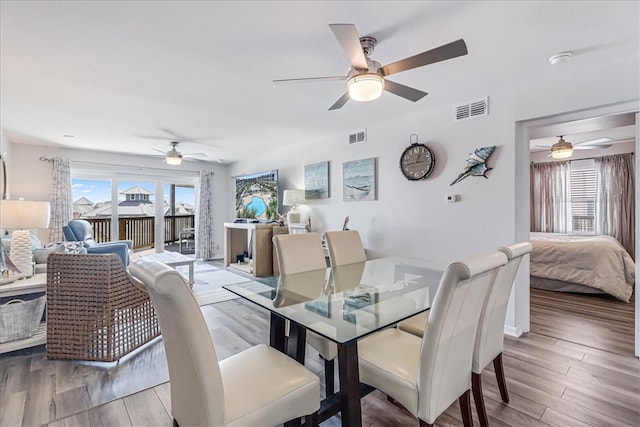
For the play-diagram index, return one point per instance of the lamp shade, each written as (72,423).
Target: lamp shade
(23,214)
(365,87)
(292,197)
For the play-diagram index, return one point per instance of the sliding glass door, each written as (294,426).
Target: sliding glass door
(128,208)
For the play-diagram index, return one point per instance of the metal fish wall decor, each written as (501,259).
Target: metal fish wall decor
(476,164)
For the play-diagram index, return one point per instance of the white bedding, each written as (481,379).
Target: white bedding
(596,261)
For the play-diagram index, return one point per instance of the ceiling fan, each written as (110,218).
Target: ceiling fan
(367,79)
(174,157)
(564,149)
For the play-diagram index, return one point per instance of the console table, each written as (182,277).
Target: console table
(254,238)
(35,284)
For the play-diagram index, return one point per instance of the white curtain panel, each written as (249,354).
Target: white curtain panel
(60,200)
(205,246)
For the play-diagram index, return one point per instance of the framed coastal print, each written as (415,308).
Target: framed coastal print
(316,181)
(359,180)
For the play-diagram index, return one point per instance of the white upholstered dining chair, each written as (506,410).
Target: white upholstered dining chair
(490,338)
(298,253)
(345,247)
(258,386)
(426,375)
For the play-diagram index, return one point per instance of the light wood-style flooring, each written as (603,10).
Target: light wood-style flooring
(557,375)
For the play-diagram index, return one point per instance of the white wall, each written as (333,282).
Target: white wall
(412,218)
(31,178)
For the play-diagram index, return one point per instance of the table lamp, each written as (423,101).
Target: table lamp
(292,198)
(22,215)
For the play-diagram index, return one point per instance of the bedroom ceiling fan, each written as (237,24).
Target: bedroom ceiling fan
(174,157)
(366,78)
(564,149)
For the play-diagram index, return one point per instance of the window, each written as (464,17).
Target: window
(583,196)
(121,205)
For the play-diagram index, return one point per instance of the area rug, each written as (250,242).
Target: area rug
(209,280)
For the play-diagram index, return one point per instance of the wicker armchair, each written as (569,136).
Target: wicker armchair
(95,309)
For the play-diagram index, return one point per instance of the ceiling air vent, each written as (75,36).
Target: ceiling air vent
(360,136)
(471,109)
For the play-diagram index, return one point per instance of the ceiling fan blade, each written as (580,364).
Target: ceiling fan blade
(442,53)
(348,38)
(592,147)
(159,151)
(194,155)
(404,91)
(310,79)
(340,102)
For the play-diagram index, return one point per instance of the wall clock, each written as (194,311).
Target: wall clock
(417,162)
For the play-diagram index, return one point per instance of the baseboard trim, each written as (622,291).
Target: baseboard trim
(514,331)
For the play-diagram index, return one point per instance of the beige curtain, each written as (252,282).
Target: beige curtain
(550,197)
(60,199)
(205,245)
(615,198)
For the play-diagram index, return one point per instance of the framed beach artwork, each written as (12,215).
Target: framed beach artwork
(316,181)
(359,180)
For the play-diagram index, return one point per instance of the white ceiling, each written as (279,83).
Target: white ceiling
(132,76)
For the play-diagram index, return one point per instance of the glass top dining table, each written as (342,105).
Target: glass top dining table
(344,304)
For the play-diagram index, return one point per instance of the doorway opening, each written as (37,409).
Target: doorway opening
(593,320)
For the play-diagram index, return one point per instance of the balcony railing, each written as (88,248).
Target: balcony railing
(141,229)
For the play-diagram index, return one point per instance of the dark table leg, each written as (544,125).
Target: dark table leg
(349,384)
(296,342)
(276,333)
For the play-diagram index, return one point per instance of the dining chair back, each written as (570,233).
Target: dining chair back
(426,375)
(490,337)
(259,386)
(298,253)
(444,373)
(345,247)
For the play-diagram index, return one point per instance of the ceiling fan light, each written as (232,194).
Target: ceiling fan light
(562,153)
(365,87)
(174,158)
(561,149)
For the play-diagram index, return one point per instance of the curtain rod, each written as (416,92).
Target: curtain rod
(586,158)
(141,168)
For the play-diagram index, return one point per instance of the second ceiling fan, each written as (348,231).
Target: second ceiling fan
(174,157)
(367,78)
(564,149)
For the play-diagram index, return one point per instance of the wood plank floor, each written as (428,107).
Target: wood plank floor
(553,378)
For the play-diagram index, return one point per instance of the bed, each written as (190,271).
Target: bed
(577,263)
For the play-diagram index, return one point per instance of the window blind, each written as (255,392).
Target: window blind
(583,198)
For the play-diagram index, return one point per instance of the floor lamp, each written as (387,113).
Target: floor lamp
(22,215)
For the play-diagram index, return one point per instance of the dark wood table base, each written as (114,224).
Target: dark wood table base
(347,399)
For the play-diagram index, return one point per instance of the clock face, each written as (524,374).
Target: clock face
(417,162)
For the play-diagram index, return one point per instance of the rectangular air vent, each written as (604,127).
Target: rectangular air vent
(471,109)
(360,136)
